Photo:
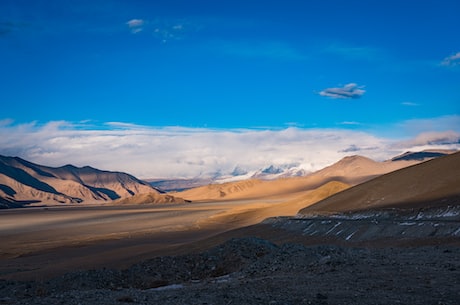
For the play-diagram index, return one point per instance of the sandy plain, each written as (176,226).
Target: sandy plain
(47,241)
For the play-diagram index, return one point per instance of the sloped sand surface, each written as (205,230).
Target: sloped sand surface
(435,182)
(244,215)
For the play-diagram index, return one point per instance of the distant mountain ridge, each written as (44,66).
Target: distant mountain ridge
(288,170)
(23,182)
(350,170)
(421,155)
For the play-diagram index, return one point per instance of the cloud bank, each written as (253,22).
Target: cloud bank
(176,152)
(348,91)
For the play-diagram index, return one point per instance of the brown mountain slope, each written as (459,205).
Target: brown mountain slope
(432,183)
(23,182)
(350,170)
(147,198)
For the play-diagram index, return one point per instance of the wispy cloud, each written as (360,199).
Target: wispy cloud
(348,91)
(261,49)
(410,104)
(452,60)
(438,124)
(163,29)
(448,138)
(6,122)
(135,25)
(353,148)
(355,52)
(350,123)
(189,152)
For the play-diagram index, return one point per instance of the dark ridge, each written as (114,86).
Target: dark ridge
(35,167)
(67,166)
(26,179)
(10,204)
(111,194)
(7,190)
(419,156)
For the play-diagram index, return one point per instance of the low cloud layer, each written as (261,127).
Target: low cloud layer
(427,139)
(348,91)
(184,152)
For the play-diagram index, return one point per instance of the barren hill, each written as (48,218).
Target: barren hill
(350,170)
(432,183)
(147,198)
(23,182)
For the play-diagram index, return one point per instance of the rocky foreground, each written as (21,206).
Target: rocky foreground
(256,271)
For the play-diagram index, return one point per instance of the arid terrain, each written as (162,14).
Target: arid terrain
(358,232)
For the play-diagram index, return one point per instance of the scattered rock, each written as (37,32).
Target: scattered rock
(255,271)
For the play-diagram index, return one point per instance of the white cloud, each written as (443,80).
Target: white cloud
(350,123)
(150,152)
(136,25)
(452,60)
(163,29)
(355,149)
(350,90)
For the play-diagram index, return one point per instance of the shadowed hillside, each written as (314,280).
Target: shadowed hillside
(23,182)
(432,183)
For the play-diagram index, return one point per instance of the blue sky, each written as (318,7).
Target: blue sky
(389,69)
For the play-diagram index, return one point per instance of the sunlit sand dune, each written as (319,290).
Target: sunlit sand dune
(249,214)
(432,183)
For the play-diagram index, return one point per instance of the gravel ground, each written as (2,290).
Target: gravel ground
(255,271)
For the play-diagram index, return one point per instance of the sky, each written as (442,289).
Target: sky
(184,88)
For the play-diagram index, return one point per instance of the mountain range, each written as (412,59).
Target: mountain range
(271,172)
(25,183)
(350,171)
